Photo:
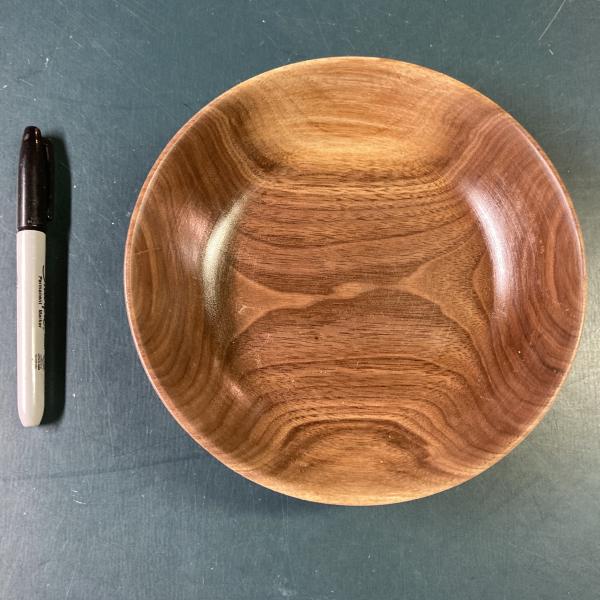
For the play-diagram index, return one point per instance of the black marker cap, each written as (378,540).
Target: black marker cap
(34,195)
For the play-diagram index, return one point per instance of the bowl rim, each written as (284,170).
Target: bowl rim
(141,199)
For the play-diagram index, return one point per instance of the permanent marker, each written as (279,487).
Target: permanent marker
(34,210)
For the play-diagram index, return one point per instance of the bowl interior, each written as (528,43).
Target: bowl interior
(355,280)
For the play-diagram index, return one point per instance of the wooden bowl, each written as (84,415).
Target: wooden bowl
(355,280)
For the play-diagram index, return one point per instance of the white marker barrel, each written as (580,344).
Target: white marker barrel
(31,291)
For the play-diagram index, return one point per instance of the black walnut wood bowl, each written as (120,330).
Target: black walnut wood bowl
(355,280)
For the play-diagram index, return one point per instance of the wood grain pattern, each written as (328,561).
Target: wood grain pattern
(355,280)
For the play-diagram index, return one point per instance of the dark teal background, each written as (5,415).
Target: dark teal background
(114,500)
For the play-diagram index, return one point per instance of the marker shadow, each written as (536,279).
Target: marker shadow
(57,279)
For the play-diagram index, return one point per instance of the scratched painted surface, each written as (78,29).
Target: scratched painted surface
(113,500)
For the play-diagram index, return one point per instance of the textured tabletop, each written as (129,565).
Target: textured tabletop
(112,499)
